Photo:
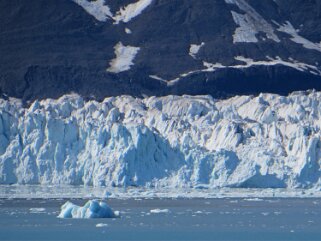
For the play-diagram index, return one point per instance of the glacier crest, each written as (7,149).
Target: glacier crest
(268,141)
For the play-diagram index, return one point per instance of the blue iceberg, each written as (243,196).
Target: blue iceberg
(92,209)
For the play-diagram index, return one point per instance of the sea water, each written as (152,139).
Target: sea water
(167,219)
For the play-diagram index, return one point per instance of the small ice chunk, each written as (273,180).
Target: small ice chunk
(37,210)
(253,199)
(92,209)
(157,210)
(107,194)
(101,225)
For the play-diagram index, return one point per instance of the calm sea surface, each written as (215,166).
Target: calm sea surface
(186,219)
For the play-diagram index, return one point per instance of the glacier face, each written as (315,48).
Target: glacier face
(268,141)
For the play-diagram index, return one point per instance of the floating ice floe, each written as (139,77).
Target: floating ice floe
(37,210)
(253,199)
(92,209)
(157,210)
(101,225)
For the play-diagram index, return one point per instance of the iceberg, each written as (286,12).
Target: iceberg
(92,209)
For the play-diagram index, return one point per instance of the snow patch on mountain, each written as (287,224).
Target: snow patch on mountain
(97,9)
(247,63)
(158,78)
(125,56)
(246,32)
(277,61)
(246,141)
(250,23)
(194,49)
(289,29)
(131,11)
(101,11)
(128,31)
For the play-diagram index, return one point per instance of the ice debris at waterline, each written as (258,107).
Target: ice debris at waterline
(92,209)
(157,210)
(268,141)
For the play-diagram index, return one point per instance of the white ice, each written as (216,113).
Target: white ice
(101,225)
(157,210)
(125,56)
(167,142)
(92,209)
(98,192)
(37,210)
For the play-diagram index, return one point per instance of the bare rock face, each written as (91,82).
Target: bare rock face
(158,47)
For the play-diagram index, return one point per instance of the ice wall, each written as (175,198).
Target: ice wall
(199,142)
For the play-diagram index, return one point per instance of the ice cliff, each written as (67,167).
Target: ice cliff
(245,141)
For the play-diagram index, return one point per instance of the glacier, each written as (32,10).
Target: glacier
(265,141)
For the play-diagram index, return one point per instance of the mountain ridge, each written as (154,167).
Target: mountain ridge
(222,47)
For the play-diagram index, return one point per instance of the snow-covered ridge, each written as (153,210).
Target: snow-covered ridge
(131,11)
(245,141)
(100,10)
(246,63)
(289,29)
(97,9)
(250,24)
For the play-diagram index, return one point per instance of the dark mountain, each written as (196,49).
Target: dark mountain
(157,47)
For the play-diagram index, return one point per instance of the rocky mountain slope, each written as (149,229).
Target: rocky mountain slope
(103,48)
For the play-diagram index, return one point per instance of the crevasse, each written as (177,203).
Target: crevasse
(267,141)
